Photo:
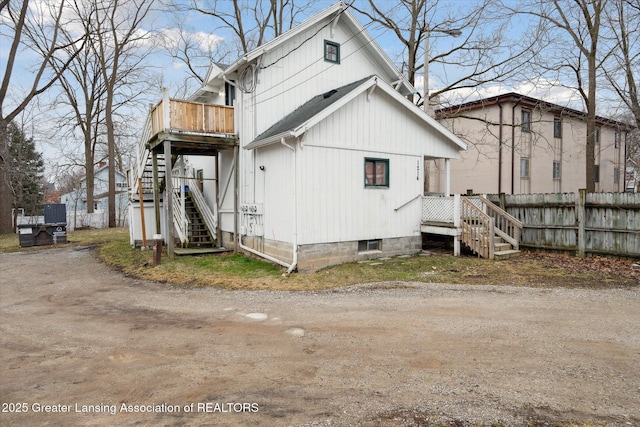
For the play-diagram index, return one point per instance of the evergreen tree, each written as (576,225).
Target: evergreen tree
(27,171)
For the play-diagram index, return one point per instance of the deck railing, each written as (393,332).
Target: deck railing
(174,115)
(478,231)
(506,226)
(187,116)
(478,219)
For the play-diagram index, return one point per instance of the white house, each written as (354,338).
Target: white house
(324,161)
(520,145)
(76,201)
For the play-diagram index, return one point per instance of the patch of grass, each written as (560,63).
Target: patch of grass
(237,271)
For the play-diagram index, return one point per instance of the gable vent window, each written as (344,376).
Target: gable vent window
(332,52)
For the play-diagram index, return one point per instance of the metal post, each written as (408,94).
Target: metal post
(168,202)
(156,191)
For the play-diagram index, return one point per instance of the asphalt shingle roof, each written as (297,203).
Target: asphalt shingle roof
(309,109)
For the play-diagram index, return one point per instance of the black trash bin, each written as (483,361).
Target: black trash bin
(27,234)
(42,234)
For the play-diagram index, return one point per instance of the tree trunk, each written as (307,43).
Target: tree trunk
(6,195)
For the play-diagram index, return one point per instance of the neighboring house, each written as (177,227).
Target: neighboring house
(519,145)
(325,155)
(76,201)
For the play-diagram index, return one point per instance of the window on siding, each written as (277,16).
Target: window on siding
(597,135)
(616,175)
(617,140)
(376,172)
(597,173)
(524,167)
(369,245)
(332,52)
(556,170)
(526,121)
(557,127)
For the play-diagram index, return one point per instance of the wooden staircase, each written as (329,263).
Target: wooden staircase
(199,235)
(488,230)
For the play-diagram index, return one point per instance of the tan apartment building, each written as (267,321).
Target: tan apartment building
(519,145)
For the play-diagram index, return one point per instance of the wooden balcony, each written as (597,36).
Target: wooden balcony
(192,127)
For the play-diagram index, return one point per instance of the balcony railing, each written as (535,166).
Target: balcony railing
(187,116)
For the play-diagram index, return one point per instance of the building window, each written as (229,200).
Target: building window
(617,140)
(369,245)
(596,170)
(526,121)
(524,167)
(376,172)
(597,135)
(556,170)
(616,175)
(557,127)
(332,52)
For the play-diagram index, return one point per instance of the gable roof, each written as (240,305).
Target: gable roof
(308,110)
(338,12)
(526,101)
(321,106)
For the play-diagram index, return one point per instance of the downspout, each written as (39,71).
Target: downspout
(237,195)
(500,140)
(513,144)
(294,263)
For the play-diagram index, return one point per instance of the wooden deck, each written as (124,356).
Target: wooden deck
(485,228)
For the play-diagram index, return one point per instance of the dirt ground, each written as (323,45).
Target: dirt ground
(83,345)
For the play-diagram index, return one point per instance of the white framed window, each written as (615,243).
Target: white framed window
(526,121)
(524,167)
(556,170)
(557,127)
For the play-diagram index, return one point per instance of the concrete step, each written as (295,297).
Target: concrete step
(501,255)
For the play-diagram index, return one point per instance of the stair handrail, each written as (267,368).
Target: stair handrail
(142,155)
(180,220)
(209,215)
(478,231)
(506,226)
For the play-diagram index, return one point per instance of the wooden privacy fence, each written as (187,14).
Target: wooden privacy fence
(598,223)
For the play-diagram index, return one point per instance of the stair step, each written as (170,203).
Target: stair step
(498,247)
(501,255)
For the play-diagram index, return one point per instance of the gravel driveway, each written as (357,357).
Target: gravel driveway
(83,345)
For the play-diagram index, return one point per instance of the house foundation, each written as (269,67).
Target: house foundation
(320,255)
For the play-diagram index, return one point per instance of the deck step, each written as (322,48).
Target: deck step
(499,247)
(506,254)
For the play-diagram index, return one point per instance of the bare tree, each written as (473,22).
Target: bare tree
(571,51)
(118,48)
(623,67)
(83,90)
(252,22)
(482,55)
(23,29)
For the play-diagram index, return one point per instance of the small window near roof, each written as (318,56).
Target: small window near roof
(557,127)
(526,121)
(331,52)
